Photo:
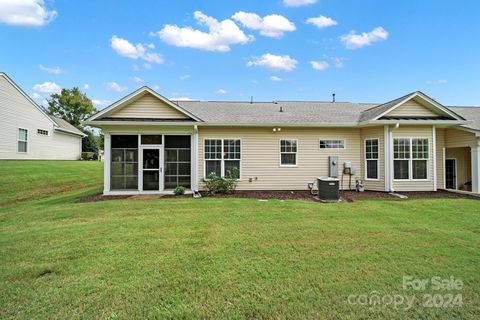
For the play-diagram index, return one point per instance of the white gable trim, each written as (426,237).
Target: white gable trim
(120,103)
(427,99)
(28,98)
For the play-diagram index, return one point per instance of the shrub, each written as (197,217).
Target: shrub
(216,184)
(179,190)
(89,156)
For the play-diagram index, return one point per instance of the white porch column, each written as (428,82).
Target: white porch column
(195,159)
(106,163)
(475,160)
(386,156)
(434,145)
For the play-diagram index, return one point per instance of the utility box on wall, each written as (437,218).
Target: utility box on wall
(333,166)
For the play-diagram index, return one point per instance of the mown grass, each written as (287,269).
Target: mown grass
(230,258)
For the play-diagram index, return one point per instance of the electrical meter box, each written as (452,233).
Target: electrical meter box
(333,166)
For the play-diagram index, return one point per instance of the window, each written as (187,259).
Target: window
(22,140)
(419,158)
(42,132)
(124,166)
(151,139)
(332,144)
(288,152)
(371,158)
(222,157)
(410,158)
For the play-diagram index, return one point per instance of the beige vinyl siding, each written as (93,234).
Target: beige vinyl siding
(374,133)
(16,111)
(464,166)
(459,138)
(411,108)
(440,137)
(148,106)
(260,153)
(416,132)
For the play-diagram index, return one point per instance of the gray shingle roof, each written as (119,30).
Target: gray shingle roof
(293,112)
(469,113)
(62,124)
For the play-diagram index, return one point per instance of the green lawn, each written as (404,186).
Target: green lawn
(221,258)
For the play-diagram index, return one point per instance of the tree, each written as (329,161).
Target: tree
(90,142)
(71,105)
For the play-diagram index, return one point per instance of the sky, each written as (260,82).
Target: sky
(364,51)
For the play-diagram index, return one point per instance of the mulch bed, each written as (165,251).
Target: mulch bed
(348,196)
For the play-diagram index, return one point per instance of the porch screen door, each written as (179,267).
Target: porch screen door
(450,174)
(151,169)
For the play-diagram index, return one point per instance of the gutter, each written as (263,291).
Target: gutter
(71,132)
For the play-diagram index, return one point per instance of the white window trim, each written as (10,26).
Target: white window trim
(222,160)
(18,140)
(332,139)
(378,159)
(280,153)
(410,160)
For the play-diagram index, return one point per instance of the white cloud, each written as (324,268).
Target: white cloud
(47,87)
(35,95)
(156,87)
(338,62)
(220,35)
(273,62)
(352,40)
(298,3)
(86,86)
(181,99)
(139,51)
(436,82)
(221,91)
(275,79)
(185,77)
(52,70)
(137,79)
(32,13)
(115,87)
(322,22)
(319,65)
(273,25)
(101,102)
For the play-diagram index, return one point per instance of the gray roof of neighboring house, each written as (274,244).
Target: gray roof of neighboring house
(292,112)
(470,114)
(65,126)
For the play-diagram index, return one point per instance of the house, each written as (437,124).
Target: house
(28,132)
(412,143)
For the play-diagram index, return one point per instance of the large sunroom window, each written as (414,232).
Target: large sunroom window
(124,166)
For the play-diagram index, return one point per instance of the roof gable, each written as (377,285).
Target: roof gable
(33,103)
(415,105)
(144,103)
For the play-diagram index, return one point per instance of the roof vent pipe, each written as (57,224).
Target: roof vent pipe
(333,97)
(251,99)
(281,109)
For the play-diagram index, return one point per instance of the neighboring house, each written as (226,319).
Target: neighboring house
(412,143)
(28,132)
